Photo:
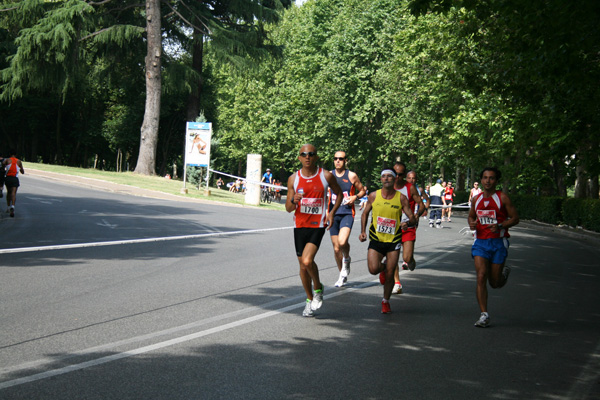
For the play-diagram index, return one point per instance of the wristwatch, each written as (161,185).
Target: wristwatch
(500,226)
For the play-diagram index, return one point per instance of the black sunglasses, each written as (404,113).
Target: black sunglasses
(307,154)
(339,158)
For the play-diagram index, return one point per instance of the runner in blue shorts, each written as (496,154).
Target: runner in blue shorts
(491,214)
(343,219)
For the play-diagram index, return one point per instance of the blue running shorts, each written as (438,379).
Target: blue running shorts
(495,250)
(339,222)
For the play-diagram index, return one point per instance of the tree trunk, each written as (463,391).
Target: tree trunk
(146,162)
(581,183)
(594,189)
(193,106)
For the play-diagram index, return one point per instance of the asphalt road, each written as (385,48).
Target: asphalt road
(112,296)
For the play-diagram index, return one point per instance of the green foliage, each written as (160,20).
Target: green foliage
(582,212)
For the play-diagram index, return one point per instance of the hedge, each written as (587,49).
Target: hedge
(583,213)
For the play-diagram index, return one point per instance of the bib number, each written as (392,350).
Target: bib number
(311,206)
(487,217)
(386,225)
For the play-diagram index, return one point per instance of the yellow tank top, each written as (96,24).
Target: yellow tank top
(385,219)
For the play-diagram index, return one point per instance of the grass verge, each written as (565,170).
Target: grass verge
(160,184)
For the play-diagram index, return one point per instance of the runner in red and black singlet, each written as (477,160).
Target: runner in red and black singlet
(13,166)
(307,195)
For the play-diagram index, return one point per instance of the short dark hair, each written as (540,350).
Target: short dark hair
(493,169)
(400,163)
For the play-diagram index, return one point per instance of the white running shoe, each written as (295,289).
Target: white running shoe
(397,288)
(341,281)
(308,312)
(346,266)
(483,321)
(317,300)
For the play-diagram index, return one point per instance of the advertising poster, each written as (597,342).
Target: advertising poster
(197,144)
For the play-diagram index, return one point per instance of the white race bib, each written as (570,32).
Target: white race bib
(487,217)
(386,225)
(311,206)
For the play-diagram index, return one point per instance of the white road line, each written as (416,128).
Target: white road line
(185,338)
(134,241)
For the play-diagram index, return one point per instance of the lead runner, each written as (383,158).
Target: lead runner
(307,195)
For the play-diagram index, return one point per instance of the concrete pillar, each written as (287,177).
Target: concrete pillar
(253,169)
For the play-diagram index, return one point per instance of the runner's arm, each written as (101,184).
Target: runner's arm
(357,185)
(291,196)
(335,188)
(406,209)
(365,217)
(417,199)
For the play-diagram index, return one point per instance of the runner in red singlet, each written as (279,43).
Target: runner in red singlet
(491,214)
(409,235)
(307,198)
(13,167)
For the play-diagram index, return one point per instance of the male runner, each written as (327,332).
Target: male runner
(411,177)
(491,214)
(13,167)
(409,235)
(435,194)
(385,232)
(343,219)
(449,197)
(307,195)
(475,190)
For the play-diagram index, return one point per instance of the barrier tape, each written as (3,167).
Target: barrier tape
(249,181)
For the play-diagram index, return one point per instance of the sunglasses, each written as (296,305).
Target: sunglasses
(307,154)
(339,158)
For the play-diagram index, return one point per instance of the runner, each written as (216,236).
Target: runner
(435,194)
(307,195)
(475,190)
(449,197)
(411,177)
(343,219)
(385,232)
(13,167)
(409,235)
(2,175)
(491,214)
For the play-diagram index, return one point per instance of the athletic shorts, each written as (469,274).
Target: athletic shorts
(495,250)
(303,236)
(11,181)
(409,235)
(384,247)
(339,222)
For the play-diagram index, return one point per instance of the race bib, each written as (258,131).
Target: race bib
(386,225)
(311,206)
(487,217)
(334,197)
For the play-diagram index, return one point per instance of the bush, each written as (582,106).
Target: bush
(582,212)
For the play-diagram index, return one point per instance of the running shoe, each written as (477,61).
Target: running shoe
(317,300)
(308,312)
(382,277)
(346,266)
(439,226)
(449,220)
(12,212)
(404,265)
(431,224)
(341,281)
(483,321)
(397,288)
(506,272)
(385,307)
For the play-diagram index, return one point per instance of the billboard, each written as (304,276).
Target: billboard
(197,144)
